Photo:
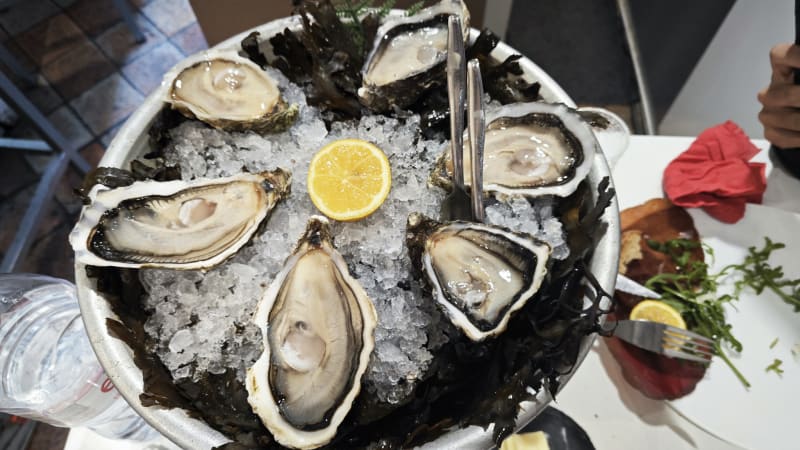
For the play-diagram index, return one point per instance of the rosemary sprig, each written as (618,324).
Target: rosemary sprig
(415,8)
(353,11)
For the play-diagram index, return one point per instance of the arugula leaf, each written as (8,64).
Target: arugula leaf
(775,367)
(693,291)
(758,275)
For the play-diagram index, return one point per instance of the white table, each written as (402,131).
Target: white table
(613,414)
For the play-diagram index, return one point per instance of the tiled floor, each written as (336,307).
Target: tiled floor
(91,77)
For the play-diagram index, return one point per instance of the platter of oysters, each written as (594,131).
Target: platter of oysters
(231,313)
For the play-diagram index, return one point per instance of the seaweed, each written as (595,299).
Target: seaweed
(107,176)
(158,134)
(325,57)
(581,218)
(113,177)
(503,81)
(124,293)
(250,46)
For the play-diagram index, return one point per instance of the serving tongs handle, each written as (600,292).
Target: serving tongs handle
(476,123)
(456,81)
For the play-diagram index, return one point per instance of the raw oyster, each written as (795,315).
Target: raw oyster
(317,325)
(175,224)
(409,56)
(229,92)
(531,149)
(480,274)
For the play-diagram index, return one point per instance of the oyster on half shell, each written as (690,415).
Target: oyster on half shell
(409,56)
(317,324)
(175,224)
(229,92)
(531,149)
(479,274)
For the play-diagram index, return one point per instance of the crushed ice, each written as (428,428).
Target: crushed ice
(201,322)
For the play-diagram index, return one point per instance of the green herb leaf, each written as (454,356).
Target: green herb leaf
(693,292)
(758,274)
(415,8)
(775,367)
(773,344)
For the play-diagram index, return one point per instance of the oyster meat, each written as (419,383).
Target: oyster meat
(317,324)
(531,149)
(409,56)
(480,274)
(175,224)
(229,92)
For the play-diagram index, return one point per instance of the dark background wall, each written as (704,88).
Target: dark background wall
(581,43)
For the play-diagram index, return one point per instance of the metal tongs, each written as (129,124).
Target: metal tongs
(476,123)
(458,205)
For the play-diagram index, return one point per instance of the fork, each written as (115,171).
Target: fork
(664,339)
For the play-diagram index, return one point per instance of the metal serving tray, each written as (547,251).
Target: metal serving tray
(116,357)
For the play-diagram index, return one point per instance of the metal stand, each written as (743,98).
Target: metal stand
(52,140)
(646,105)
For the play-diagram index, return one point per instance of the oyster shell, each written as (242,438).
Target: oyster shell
(175,224)
(317,325)
(409,56)
(480,274)
(531,149)
(229,92)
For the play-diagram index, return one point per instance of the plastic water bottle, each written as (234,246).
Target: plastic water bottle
(48,370)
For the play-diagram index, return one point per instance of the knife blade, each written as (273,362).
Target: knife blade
(629,286)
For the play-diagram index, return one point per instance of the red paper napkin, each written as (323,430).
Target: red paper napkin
(715,174)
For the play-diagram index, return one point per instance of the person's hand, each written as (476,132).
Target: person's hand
(781,99)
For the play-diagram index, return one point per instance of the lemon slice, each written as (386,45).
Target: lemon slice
(656,311)
(526,441)
(349,179)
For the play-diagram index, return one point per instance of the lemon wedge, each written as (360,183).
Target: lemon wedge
(526,441)
(657,311)
(349,179)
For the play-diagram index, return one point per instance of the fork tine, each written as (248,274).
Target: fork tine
(669,343)
(666,340)
(675,345)
(683,355)
(683,340)
(694,336)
